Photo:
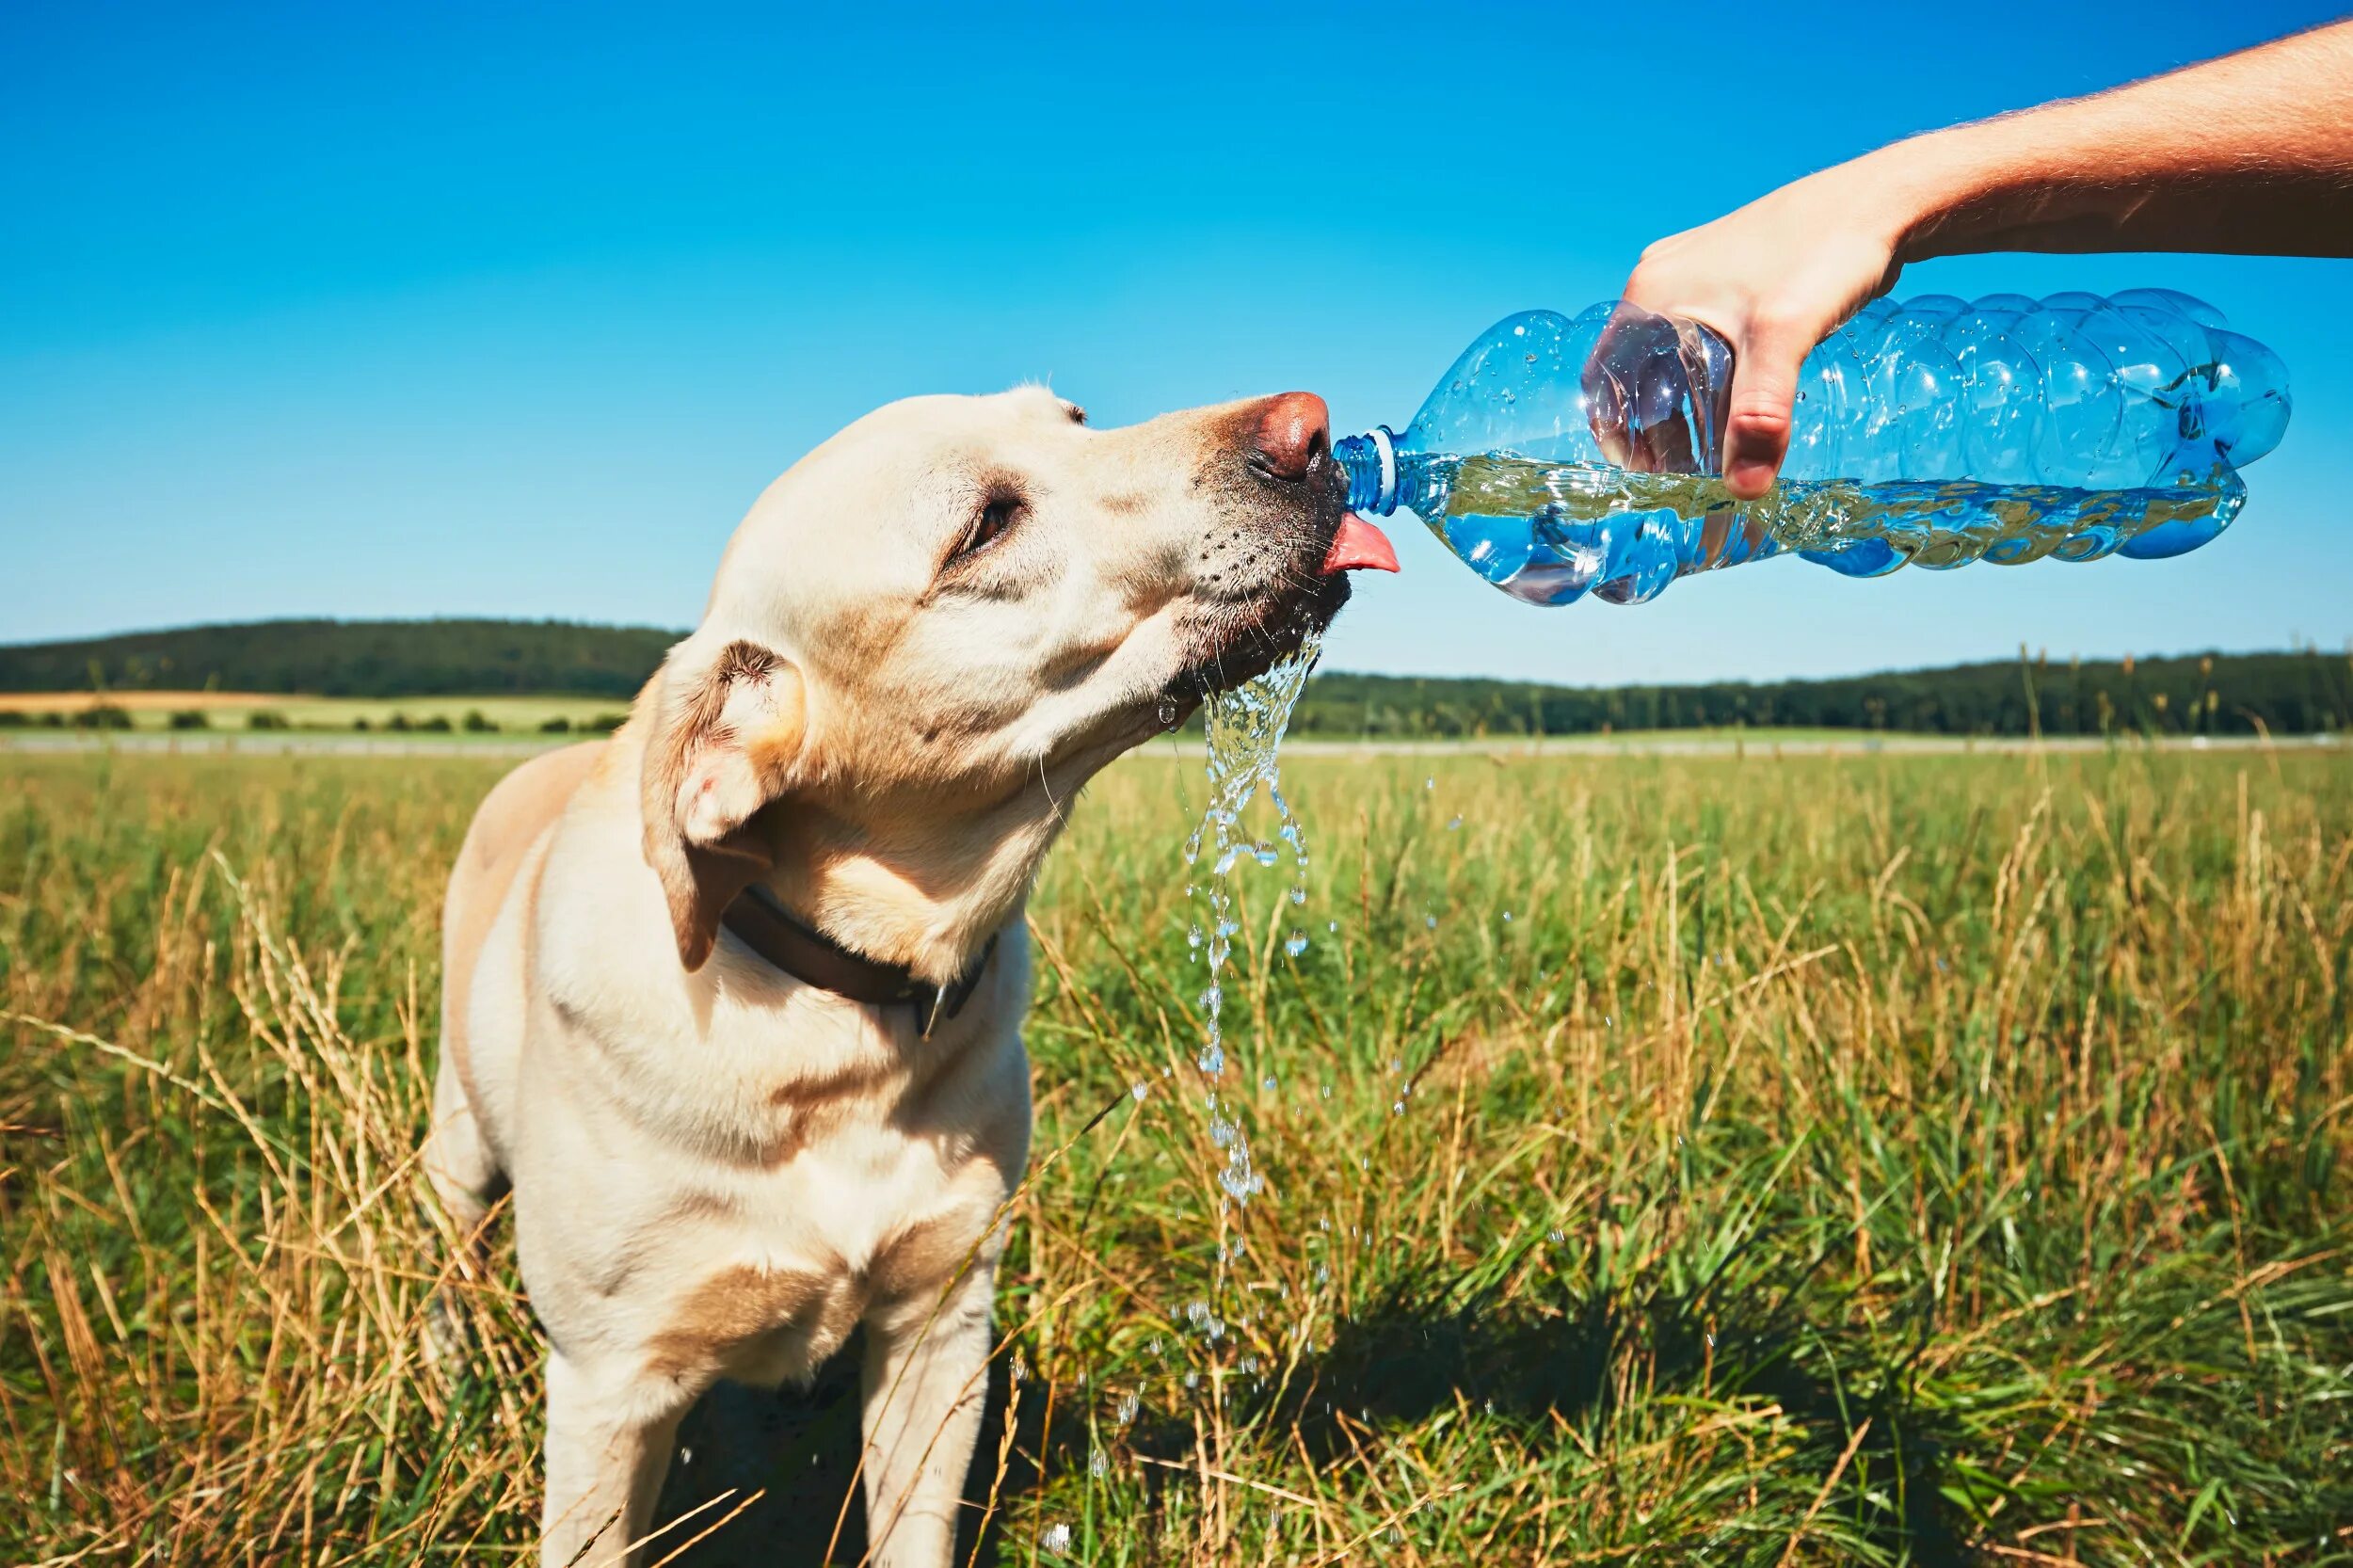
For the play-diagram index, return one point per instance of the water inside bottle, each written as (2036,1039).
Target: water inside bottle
(1549,533)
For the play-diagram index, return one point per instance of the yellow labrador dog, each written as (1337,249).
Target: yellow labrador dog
(733,1000)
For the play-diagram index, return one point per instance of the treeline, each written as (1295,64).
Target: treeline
(2236,694)
(2284,693)
(355,658)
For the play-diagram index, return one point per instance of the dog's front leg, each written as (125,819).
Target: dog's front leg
(608,1445)
(926,1381)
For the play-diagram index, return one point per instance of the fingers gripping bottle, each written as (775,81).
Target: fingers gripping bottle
(1561,456)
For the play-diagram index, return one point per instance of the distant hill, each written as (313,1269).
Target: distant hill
(353,657)
(2285,694)
(2221,694)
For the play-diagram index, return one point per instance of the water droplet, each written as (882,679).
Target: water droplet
(1430,783)
(1267,1083)
(1296,943)
(1507,916)
(1454,825)
(1138,1090)
(1167,714)
(1055,1538)
(1398,1109)
(1099,1463)
(1128,1403)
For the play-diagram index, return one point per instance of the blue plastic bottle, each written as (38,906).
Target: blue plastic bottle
(1561,456)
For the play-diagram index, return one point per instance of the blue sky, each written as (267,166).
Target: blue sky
(479,309)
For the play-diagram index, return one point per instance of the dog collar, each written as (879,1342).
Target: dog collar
(813,958)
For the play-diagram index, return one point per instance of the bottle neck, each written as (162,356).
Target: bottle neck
(1371,462)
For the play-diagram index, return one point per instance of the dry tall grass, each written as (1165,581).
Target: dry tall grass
(1875,1159)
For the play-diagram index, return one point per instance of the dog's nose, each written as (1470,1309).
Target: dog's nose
(1292,428)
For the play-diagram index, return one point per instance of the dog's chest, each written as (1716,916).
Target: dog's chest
(858,1175)
(776,1268)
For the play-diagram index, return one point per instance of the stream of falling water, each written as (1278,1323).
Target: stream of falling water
(1245,734)
(1245,727)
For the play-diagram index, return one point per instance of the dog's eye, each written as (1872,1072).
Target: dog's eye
(996,519)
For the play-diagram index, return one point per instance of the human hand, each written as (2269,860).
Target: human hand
(2269,171)
(1774,278)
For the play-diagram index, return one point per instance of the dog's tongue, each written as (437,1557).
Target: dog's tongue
(1359,546)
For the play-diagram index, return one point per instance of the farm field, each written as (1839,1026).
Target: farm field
(233,711)
(229,716)
(1812,1159)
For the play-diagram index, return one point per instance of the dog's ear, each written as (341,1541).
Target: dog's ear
(726,740)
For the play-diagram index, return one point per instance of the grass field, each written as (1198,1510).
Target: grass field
(1825,1161)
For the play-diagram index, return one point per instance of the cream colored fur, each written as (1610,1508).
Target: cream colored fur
(718,1171)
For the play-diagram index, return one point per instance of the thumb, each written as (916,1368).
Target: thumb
(1764,393)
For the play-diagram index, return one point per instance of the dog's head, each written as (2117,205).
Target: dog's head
(939,624)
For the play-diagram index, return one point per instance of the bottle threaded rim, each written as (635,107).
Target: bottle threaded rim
(1371,462)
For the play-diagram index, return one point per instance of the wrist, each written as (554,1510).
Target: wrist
(1920,186)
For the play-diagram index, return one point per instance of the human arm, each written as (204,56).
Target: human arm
(2249,154)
